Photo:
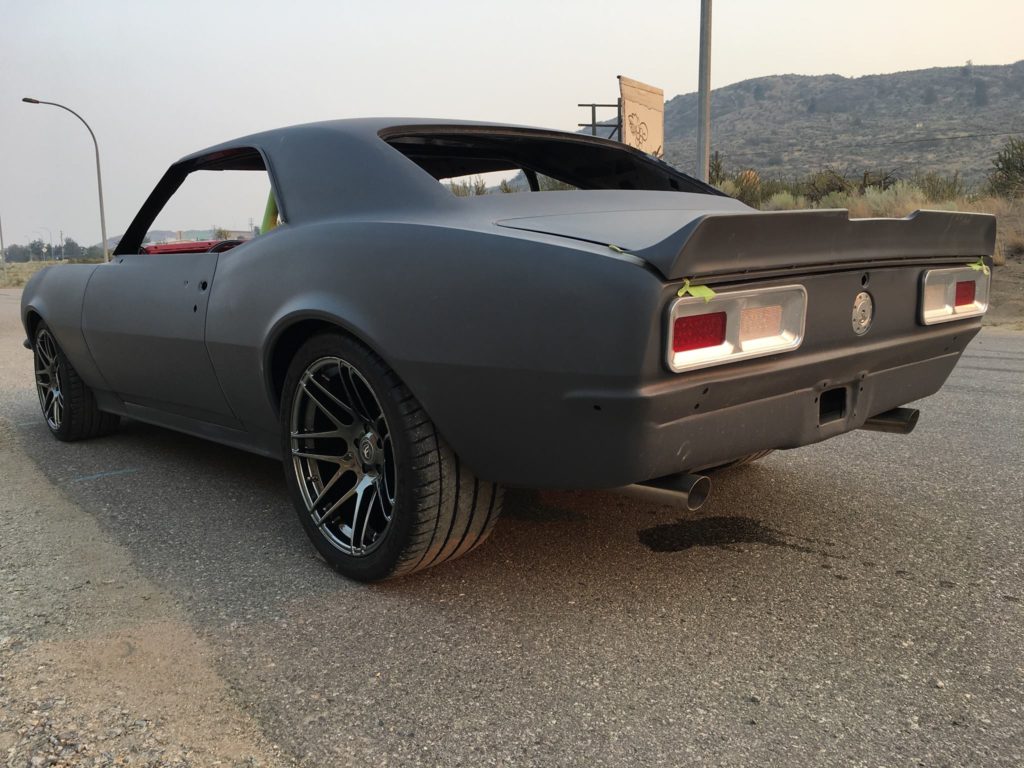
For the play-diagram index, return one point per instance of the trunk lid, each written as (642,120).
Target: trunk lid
(684,241)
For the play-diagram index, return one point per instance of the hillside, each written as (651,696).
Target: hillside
(790,125)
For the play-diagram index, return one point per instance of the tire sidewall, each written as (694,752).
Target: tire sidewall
(381,562)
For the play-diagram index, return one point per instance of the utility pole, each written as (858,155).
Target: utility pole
(3,253)
(704,94)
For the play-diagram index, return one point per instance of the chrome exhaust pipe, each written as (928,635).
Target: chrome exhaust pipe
(900,421)
(684,491)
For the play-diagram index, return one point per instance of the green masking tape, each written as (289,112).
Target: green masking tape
(697,291)
(980,266)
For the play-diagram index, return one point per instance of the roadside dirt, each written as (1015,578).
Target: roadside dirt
(1007,307)
(140,695)
(98,666)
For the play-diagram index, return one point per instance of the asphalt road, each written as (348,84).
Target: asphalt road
(857,602)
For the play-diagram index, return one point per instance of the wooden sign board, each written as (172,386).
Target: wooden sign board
(643,116)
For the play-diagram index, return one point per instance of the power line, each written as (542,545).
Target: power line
(870,143)
(943,138)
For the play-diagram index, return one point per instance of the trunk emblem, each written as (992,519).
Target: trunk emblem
(863,313)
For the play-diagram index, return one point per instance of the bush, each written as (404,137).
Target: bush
(938,188)
(784,201)
(727,187)
(468,187)
(835,199)
(819,185)
(898,200)
(1007,176)
(748,187)
(716,169)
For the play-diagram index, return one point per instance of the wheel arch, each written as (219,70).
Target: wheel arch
(288,335)
(32,320)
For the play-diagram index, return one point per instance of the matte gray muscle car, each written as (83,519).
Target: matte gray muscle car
(408,352)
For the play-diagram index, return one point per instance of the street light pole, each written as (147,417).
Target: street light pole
(3,253)
(99,177)
(704,94)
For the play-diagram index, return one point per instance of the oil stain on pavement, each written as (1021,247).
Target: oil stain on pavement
(719,531)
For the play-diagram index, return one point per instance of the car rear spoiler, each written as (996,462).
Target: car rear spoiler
(720,244)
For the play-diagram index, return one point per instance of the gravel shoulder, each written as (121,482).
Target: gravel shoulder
(1007,305)
(98,665)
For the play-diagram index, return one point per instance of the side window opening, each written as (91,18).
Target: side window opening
(211,208)
(214,204)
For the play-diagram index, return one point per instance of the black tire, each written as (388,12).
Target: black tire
(439,511)
(68,404)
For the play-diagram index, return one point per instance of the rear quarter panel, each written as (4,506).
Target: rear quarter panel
(482,327)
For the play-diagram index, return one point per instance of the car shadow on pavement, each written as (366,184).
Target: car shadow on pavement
(214,526)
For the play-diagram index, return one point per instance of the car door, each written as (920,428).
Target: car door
(144,319)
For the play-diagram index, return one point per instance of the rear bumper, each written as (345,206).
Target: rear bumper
(604,438)
(776,403)
(788,420)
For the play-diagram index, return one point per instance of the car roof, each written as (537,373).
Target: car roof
(367,128)
(347,167)
(343,167)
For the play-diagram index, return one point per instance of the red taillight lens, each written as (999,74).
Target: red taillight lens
(965,290)
(698,331)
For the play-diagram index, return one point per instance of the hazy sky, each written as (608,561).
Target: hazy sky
(158,79)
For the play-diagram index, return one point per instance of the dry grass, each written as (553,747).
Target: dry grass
(1007,300)
(17,274)
(1010,215)
(904,198)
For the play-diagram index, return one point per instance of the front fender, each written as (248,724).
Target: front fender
(56,294)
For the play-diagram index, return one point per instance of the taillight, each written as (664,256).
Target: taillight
(735,325)
(698,331)
(953,294)
(965,292)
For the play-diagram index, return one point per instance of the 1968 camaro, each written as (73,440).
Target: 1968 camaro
(407,352)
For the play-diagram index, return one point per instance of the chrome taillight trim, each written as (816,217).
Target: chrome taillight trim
(792,299)
(937,299)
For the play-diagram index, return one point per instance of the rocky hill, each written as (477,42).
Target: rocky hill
(943,119)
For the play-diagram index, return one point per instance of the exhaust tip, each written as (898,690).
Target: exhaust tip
(687,492)
(698,493)
(900,421)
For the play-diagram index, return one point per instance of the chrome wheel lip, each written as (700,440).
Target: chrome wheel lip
(342,457)
(48,382)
